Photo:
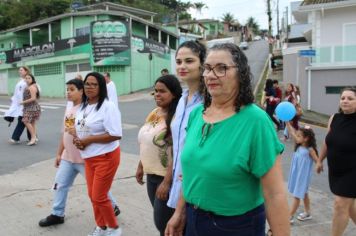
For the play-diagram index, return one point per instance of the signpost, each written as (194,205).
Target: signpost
(307,53)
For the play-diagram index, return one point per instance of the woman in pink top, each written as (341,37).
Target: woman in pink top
(68,160)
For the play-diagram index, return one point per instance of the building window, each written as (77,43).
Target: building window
(82,31)
(103,69)
(48,69)
(335,89)
(71,68)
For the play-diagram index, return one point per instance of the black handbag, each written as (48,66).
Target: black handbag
(9,119)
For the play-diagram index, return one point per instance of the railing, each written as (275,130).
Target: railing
(342,55)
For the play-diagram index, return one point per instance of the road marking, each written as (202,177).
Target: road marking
(129,126)
(6,106)
(54,104)
(49,107)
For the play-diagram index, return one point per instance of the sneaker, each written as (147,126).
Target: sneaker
(117,210)
(291,220)
(114,232)
(12,141)
(304,216)
(98,232)
(51,220)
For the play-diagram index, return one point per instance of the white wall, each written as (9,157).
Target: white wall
(331,25)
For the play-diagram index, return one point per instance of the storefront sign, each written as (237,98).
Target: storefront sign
(45,50)
(110,43)
(144,45)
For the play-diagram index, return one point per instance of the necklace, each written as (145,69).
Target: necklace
(85,115)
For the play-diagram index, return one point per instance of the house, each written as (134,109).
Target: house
(206,28)
(320,52)
(102,37)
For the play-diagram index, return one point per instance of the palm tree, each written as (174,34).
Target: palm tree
(228,18)
(253,25)
(199,6)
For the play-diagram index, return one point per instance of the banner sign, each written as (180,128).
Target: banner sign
(110,43)
(46,49)
(144,45)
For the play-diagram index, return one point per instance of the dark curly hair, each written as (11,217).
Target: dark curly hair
(244,76)
(199,50)
(308,133)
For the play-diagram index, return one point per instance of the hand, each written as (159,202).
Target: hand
(319,167)
(163,190)
(139,175)
(71,131)
(57,162)
(175,225)
(79,143)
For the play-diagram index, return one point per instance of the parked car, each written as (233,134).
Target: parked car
(243,45)
(257,37)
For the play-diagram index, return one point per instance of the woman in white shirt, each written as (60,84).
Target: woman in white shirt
(97,133)
(16,108)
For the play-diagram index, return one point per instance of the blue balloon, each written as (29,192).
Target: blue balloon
(285,111)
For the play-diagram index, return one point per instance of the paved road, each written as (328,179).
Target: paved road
(257,55)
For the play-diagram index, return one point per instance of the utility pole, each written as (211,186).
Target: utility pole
(287,28)
(278,18)
(269,26)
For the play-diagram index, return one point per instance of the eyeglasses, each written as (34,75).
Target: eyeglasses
(90,85)
(219,70)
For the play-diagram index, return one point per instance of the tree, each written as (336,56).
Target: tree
(199,6)
(228,18)
(253,25)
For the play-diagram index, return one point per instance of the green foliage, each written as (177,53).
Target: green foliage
(228,18)
(15,13)
(253,25)
(12,13)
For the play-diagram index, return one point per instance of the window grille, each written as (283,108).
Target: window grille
(48,69)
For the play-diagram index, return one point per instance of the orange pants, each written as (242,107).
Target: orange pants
(99,172)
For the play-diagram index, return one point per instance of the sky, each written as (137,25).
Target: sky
(242,10)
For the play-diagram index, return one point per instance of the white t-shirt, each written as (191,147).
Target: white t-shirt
(112,94)
(89,121)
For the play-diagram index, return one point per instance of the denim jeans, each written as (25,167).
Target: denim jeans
(204,223)
(19,129)
(65,176)
(161,212)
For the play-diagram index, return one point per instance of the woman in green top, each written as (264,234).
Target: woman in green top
(232,176)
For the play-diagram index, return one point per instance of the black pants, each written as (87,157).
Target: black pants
(270,111)
(161,212)
(19,129)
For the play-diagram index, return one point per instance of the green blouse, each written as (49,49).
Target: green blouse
(223,162)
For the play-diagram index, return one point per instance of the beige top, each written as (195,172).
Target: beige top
(155,153)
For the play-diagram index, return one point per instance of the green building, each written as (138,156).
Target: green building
(102,37)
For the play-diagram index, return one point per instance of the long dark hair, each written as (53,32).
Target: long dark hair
(268,85)
(349,88)
(199,50)
(173,85)
(308,133)
(244,76)
(103,94)
(33,82)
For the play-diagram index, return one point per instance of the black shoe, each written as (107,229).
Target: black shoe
(116,210)
(51,220)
